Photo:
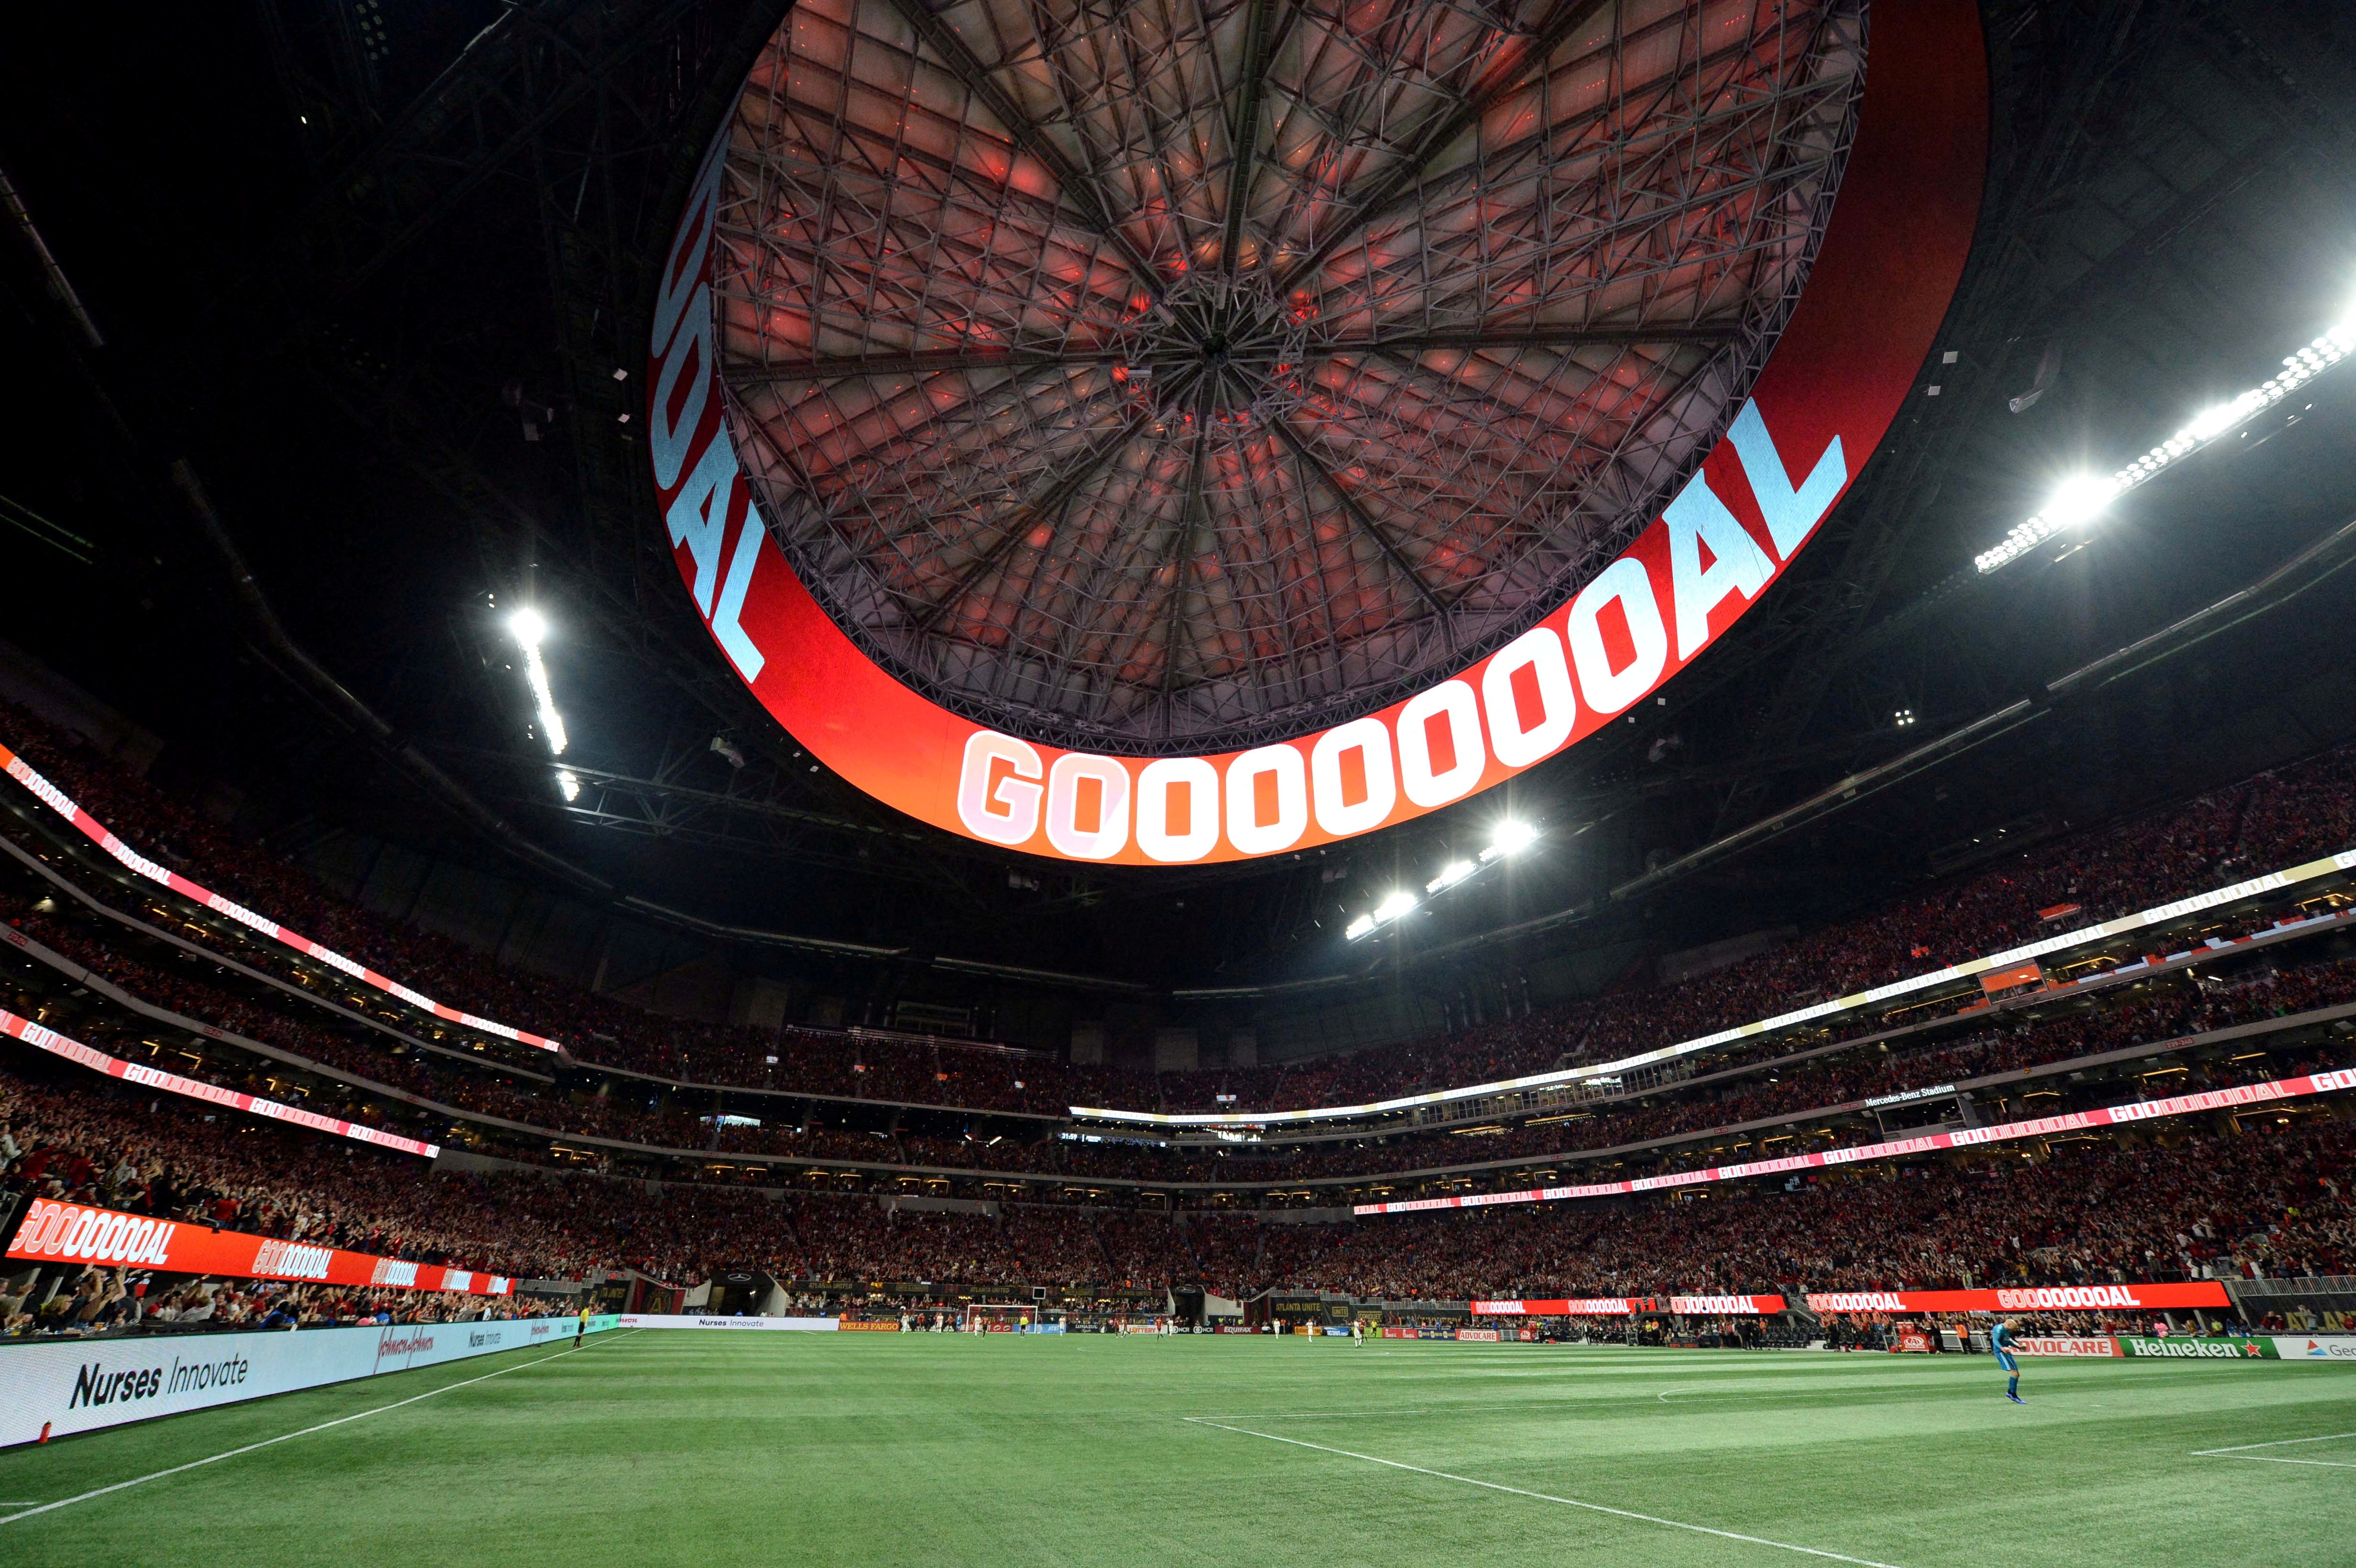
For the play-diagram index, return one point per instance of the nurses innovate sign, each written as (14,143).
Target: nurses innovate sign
(57,1387)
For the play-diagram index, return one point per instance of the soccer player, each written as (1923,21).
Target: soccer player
(2000,1342)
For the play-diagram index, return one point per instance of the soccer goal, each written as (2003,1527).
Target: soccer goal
(994,1317)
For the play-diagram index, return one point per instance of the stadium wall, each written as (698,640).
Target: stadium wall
(58,1387)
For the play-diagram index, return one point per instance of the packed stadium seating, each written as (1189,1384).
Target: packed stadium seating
(2159,1012)
(2268,1198)
(2274,820)
(2264,1195)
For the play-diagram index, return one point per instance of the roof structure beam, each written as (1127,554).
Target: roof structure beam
(1701,335)
(1189,515)
(1366,522)
(1243,137)
(1052,500)
(1566,18)
(934,362)
(1078,185)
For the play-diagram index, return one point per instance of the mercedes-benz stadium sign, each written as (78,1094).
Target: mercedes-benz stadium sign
(1853,352)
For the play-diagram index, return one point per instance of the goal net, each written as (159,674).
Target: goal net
(997,1318)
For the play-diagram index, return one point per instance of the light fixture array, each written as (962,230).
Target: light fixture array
(2082,500)
(530,630)
(1510,839)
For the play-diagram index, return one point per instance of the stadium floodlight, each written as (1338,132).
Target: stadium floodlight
(1359,927)
(1450,875)
(1398,903)
(530,630)
(2082,500)
(1513,837)
(568,785)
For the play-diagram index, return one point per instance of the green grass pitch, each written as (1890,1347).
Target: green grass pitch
(939,1451)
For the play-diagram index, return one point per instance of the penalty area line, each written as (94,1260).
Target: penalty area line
(1550,1497)
(288,1436)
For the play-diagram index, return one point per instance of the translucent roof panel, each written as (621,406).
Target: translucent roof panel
(1183,375)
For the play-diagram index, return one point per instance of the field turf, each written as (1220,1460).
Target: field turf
(941,1451)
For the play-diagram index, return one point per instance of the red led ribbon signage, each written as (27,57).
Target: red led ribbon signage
(1630,1305)
(1846,363)
(42,1038)
(2026,1298)
(98,832)
(2242,1096)
(76,1233)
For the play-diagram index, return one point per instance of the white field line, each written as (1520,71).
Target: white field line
(1550,1498)
(2278,1459)
(283,1436)
(2277,1442)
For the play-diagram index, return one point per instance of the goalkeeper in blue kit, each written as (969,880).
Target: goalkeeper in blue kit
(2000,1342)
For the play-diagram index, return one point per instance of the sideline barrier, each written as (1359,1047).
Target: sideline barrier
(1630,1305)
(42,1038)
(2195,1347)
(789,1324)
(2026,1298)
(2315,1346)
(82,1385)
(74,1233)
(98,832)
(2242,1096)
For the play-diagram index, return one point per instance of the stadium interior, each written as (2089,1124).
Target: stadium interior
(442,882)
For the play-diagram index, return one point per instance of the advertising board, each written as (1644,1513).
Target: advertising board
(2026,1298)
(1842,368)
(1727,1306)
(748,1325)
(2101,1345)
(1571,1306)
(2315,1346)
(2193,1348)
(64,1386)
(54,1231)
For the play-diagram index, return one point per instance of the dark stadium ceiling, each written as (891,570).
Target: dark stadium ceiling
(408,252)
(1182,374)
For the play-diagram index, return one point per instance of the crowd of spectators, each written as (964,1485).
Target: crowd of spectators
(2269,1201)
(2159,1011)
(2272,1199)
(2274,820)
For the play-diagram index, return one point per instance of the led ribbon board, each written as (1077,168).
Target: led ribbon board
(2241,1097)
(163,876)
(105,1238)
(42,1038)
(1631,1305)
(1879,286)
